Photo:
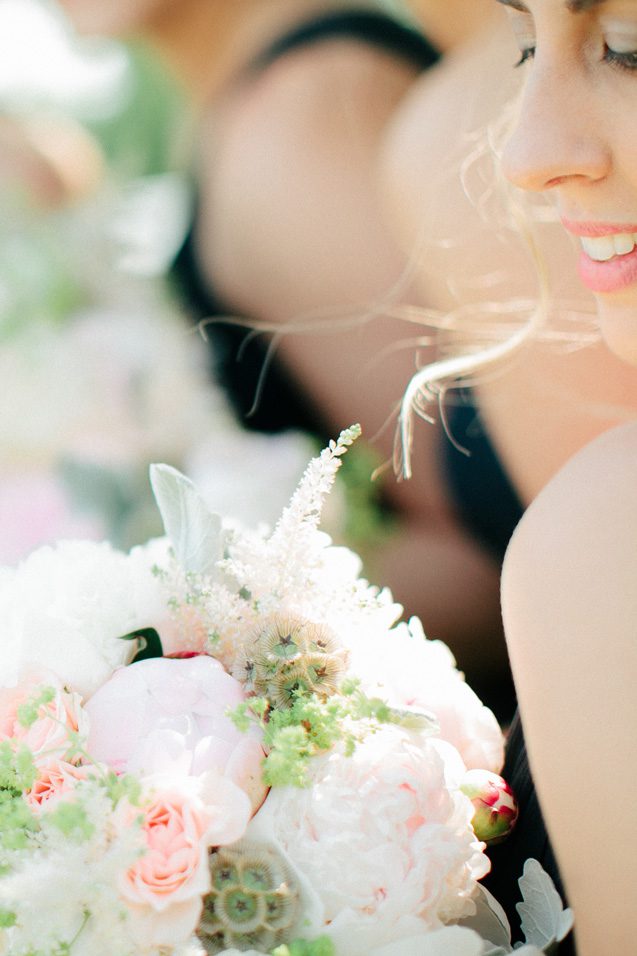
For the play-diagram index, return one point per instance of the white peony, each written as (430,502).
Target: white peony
(381,834)
(409,671)
(449,941)
(66,609)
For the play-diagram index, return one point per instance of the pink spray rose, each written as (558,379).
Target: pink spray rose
(57,779)
(169,716)
(48,736)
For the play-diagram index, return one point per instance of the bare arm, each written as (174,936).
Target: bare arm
(570,610)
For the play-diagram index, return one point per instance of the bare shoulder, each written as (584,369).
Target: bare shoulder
(591,501)
(569,598)
(571,566)
(343,80)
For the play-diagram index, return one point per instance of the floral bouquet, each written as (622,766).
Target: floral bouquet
(224,742)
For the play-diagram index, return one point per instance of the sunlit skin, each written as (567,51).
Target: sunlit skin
(451,23)
(568,593)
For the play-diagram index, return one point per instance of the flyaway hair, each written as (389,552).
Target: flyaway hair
(430,383)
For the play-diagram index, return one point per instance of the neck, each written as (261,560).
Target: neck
(206,41)
(453,23)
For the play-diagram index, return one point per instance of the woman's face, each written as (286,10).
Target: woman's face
(577,138)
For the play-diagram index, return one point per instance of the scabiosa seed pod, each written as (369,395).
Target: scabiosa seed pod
(496,809)
(253,902)
(292,656)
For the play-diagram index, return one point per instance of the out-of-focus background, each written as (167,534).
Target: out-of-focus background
(132,208)
(102,370)
(117,91)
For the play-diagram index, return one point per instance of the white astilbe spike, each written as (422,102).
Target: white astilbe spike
(306,504)
(294,539)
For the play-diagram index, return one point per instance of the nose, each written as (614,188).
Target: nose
(557,140)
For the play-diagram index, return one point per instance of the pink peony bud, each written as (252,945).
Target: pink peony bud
(496,808)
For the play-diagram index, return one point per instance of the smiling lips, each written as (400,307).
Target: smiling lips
(609,254)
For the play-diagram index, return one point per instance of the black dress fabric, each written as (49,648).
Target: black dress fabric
(529,838)
(484,498)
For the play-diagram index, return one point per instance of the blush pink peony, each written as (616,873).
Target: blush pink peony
(382,834)
(169,716)
(409,671)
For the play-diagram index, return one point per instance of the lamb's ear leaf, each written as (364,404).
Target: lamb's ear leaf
(193,529)
(490,922)
(543,919)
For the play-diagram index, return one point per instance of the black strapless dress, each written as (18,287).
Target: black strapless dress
(528,839)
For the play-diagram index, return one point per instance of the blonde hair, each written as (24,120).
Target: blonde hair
(430,384)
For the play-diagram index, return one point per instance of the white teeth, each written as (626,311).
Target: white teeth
(603,248)
(623,243)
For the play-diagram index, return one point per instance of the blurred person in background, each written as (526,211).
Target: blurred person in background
(293,100)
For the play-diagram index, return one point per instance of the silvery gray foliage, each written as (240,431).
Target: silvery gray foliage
(544,920)
(193,529)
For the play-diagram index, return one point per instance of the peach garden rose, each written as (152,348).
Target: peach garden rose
(181,819)
(56,779)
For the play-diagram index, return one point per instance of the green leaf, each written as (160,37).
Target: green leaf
(149,643)
(323,946)
(194,530)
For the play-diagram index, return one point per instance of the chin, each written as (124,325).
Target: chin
(110,17)
(618,324)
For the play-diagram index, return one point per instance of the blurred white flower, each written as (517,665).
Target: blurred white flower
(50,890)
(66,609)
(410,671)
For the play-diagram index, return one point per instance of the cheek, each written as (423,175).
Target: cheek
(110,17)
(618,323)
